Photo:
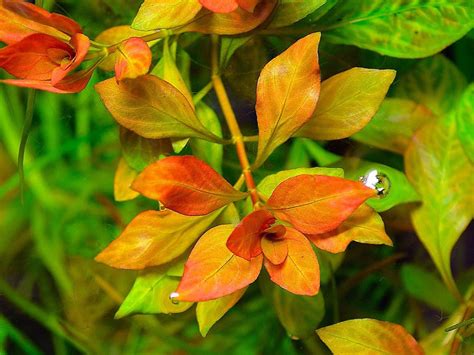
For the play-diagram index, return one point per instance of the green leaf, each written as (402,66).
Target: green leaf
(321,156)
(228,47)
(465,121)
(400,190)
(422,285)
(297,156)
(209,312)
(152,108)
(151,291)
(270,182)
(211,153)
(368,336)
(140,152)
(399,28)
(394,124)
(299,315)
(438,168)
(328,263)
(291,11)
(434,82)
(158,14)
(347,102)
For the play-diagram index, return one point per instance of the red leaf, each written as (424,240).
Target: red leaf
(275,249)
(244,241)
(213,271)
(134,59)
(299,273)
(316,204)
(220,6)
(186,185)
(19,19)
(81,45)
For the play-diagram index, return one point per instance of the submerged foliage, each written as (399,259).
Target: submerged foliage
(254,141)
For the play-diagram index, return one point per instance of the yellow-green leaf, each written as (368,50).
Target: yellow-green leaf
(287,93)
(368,337)
(394,124)
(209,312)
(158,14)
(438,168)
(434,82)
(124,176)
(465,121)
(399,28)
(151,291)
(347,103)
(152,108)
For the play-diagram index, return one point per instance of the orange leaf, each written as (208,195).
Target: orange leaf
(154,238)
(186,185)
(19,19)
(287,93)
(244,240)
(220,6)
(299,273)
(316,204)
(213,271)
(235,22)
(363,226)
(134,59)
(275,250)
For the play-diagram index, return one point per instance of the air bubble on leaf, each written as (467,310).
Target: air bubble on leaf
(174,297)
(377,181)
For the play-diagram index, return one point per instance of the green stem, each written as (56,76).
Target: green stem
(202,93)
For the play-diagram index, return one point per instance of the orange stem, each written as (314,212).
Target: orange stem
(232,123)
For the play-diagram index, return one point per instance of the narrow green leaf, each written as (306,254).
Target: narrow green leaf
(228,47)
(399,28)
(422,285)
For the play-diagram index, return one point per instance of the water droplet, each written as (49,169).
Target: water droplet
(174,297)
(377,181)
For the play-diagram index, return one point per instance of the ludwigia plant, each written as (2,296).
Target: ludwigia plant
(212,235)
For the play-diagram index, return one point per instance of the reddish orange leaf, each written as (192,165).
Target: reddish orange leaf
(220,6)
(275,250)
(244,241)
(287,93)
(43,57)
(316,204)
(134,59)
(154,238)
(235,22)
(186,185)
(19,19)
(213,271)
(363,226)
(71,84)
(248,5)
(299,273)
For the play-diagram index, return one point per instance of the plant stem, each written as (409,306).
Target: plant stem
(461,328)
(232,123)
